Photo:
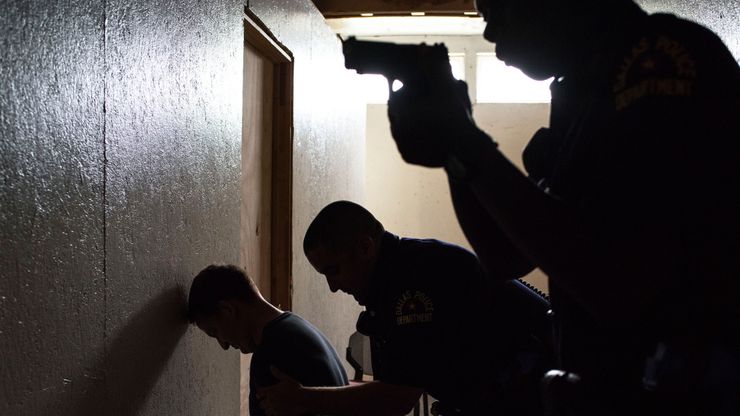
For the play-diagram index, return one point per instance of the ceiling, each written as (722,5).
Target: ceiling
(345,8)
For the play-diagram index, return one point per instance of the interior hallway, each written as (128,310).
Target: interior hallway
(120,178)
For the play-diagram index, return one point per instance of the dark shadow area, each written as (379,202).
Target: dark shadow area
(136,357)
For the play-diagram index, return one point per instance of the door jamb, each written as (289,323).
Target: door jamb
(281,281)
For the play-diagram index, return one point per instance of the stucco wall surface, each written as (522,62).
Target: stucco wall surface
(329,155)
(119,180)
(52,283)
(721,16)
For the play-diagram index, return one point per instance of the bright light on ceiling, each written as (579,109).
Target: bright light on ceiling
(407,26)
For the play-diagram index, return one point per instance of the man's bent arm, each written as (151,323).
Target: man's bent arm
(289,398)
(366,399)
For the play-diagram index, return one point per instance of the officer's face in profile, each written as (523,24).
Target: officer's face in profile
(227,329)
(347,270)
(524,32)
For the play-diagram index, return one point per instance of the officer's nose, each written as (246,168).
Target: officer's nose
(488,33)
(332,286)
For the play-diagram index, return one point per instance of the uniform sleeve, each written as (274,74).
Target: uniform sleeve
(433,320)
(412,347)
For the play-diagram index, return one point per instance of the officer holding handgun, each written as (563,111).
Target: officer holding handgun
(631,204)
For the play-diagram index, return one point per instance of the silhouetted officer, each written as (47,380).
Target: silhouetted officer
(631,204)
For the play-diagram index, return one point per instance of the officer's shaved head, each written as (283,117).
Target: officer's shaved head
(339,225)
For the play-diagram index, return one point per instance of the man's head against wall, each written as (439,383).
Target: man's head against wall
(220,299)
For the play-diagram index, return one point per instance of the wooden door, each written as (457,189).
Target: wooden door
(257,141)
(266,181)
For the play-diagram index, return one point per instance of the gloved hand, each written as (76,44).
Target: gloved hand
(425,126)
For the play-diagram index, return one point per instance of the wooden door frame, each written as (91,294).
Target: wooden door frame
(281,281)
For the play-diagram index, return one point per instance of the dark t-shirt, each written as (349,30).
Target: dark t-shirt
(643,143)
(298,349)
(434,323)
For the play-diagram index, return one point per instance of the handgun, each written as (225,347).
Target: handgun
(417,66)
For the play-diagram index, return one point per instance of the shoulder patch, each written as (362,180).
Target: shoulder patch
(655,67)
(413,307)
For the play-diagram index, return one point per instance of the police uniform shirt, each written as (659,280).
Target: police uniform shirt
(643,142)
(431,326)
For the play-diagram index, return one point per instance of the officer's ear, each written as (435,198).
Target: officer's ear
(367,246)
(226,309)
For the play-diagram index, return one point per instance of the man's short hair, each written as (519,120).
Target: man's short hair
(338,225)
(218,283)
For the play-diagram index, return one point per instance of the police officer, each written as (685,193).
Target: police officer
(631,204)
(433,324)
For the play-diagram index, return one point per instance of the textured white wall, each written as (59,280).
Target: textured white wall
(119,174)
